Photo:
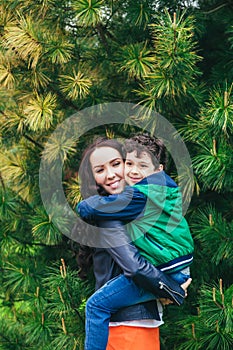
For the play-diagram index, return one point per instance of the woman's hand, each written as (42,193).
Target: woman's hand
(165,301)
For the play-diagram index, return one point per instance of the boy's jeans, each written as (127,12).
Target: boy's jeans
(181,276)
(114,295)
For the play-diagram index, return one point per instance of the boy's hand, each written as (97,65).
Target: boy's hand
(185,285)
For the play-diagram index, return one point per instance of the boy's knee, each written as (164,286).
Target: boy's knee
(90,303)
(94,302)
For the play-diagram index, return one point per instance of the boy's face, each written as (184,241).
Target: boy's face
(137,168)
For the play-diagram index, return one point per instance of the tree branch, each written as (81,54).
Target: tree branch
(65,102)
(36,244)
(215,9)
(5,338)
(2,182)
(33,141)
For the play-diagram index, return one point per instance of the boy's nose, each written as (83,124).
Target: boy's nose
(134,170)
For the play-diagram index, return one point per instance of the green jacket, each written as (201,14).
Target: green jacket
(162,234)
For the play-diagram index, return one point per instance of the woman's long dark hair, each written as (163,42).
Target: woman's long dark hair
(88,188)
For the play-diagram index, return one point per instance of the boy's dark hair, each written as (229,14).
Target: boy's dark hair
(149,144)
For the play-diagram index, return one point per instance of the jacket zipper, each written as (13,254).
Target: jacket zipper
(170,291)
(149,239)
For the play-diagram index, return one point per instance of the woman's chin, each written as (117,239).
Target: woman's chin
(116,188)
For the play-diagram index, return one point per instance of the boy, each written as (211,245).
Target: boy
(151,206)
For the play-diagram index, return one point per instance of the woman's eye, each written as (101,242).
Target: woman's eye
(143,166)
(98,171)
(128,163)
(116,164)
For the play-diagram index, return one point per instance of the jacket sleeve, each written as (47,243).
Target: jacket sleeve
(125,206)
(135,266)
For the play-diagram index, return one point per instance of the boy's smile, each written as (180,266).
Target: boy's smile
(137,168)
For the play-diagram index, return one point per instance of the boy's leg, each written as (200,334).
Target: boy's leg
(114,295)
(181,276)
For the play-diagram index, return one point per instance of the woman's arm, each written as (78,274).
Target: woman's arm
(134,266)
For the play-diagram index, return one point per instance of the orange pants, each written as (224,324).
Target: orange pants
(136,338)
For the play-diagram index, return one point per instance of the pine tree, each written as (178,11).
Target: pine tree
(59,57)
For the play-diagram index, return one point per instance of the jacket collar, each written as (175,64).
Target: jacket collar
(160,178)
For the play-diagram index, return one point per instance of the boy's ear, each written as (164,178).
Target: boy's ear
(160,167)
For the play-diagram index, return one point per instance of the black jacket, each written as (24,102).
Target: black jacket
(121,256)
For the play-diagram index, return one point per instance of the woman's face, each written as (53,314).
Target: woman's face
(108,169)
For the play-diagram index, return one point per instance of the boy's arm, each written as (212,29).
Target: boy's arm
(125,206)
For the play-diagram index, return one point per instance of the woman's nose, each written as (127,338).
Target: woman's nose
(110,173)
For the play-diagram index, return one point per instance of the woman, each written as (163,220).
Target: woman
(102,169)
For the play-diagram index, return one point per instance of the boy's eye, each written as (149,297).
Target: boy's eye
(128,163)
(144,166)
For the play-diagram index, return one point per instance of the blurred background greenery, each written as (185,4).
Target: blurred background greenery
(58,57)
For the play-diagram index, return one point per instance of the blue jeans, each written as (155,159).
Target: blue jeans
(114,295)
(181,276)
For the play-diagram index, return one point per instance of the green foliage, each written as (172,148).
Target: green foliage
(19,278)
(8,204)
(136,60)
(215,116)
(139,13)
(7,78)
(219,111)
(58,57)
(88,12)
(59,147)
(23,34)
(212,327)
(75,85)
(214,160)
(39,112)
(212,133)
(52,314)
(175,70)
(73,191)
(40,331)
(13,167)
(44,229)
(215,234)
